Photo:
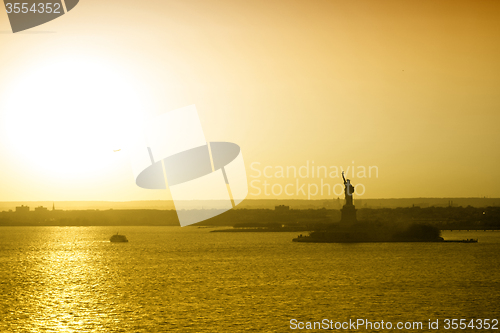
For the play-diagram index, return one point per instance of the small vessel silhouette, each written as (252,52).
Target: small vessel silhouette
(118,239)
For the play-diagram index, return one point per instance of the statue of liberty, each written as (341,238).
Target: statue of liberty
(348,190)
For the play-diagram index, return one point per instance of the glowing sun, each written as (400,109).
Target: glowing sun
(68,116)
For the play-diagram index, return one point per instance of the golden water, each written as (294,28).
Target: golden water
(72,279)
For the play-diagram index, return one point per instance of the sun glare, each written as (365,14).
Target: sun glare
(69,116)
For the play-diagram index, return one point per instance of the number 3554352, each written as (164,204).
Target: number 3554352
(36,8)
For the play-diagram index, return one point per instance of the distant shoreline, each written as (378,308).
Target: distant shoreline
(329,203)
(278,219)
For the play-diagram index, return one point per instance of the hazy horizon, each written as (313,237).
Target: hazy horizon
(253,203)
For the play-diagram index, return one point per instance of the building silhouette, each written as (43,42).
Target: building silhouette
(282,208)
(22,209)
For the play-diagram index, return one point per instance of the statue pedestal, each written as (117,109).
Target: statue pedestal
(348,214)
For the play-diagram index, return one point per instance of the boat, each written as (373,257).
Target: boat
(118,239)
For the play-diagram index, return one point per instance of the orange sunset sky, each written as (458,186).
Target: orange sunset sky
(411,87)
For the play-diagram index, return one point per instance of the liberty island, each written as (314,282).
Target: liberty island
(350,230)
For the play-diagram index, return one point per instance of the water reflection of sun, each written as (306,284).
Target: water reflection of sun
(66,296)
